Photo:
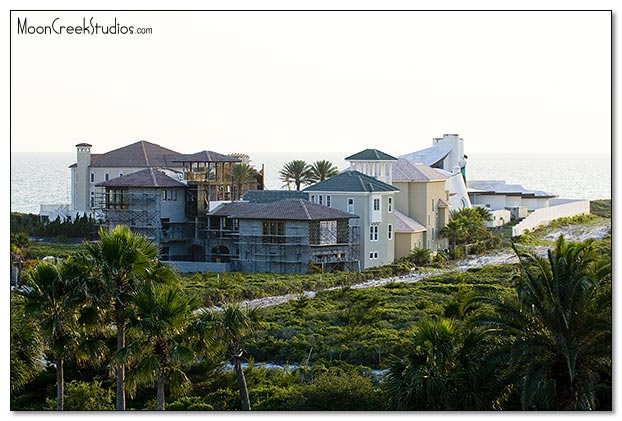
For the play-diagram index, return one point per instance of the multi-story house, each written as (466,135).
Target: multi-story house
(423,198)
(152,203)
(91,169)
(369,198)
(209,172)
(286,236)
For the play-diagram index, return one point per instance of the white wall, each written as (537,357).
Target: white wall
(545,215)
(499,218)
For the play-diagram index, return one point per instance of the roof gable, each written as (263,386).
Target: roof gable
(371,155)
(139,154)
(290,209)
(148,177)
(351,181)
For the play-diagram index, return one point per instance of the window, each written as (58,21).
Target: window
(107,177)
(328,232)
(373,255)
(92,178)
(390,204)
(350,208)
(169,195)
(390,231)
(377,204)
(321,199)
(116,199)
(312,198)
(373,233)
(92,199)
(273,231)
(328,201)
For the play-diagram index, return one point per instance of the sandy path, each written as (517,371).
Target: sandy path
(571,232)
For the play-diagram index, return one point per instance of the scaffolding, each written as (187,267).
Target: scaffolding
(291,252)
(142,213)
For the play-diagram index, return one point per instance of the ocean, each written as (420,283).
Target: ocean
(44,178)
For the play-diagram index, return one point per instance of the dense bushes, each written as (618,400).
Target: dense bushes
(82,227)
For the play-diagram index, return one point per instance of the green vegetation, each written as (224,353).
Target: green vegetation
(301,173)
(82,227)
(601,208)
(474,340)
(242,174)
(467,228)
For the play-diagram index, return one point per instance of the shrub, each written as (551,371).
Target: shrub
(85,396)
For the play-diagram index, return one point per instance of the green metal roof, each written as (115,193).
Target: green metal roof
(371,155)
(351,181)
(268,196)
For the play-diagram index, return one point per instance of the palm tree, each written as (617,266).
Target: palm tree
(465,226)
(442,368)
(557,328)
(420,256)
(50,299)
(231,326)
(26,345)
(454,231)
(122,261)
(297,172)
(321,170)
(20,243)
(163,312)
(242,174)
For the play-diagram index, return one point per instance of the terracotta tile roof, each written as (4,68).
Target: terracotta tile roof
(351,181)
(290,209)
(144,178)
(140,154)
(403,223)
(405,170)
(371,155)
(205,156)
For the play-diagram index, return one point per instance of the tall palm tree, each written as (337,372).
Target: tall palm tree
(297,172)
(50,298)
(122,260)
(159,349)
(321,170)
(557,328)
(231,326)
(241,175)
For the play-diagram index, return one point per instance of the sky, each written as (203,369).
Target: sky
(509,82)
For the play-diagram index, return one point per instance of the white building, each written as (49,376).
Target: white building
(447,157)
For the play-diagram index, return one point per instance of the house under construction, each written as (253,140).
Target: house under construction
(285,236)
(191,217)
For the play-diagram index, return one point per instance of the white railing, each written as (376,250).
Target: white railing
(545,215)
